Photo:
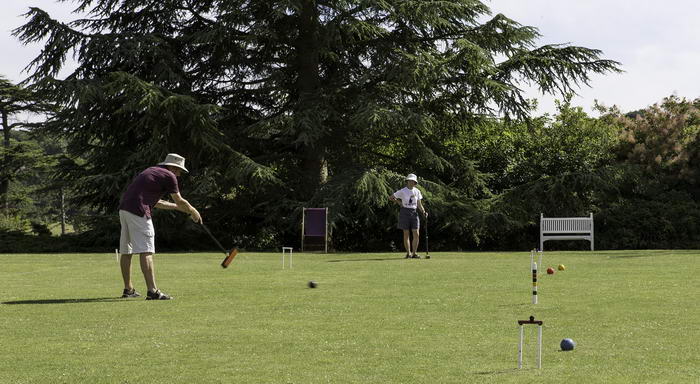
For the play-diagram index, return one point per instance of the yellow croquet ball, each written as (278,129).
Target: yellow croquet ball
(561,267)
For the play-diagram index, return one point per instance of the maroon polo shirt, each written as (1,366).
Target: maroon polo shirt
(146,189)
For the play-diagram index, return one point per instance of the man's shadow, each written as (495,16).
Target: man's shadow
(68,301)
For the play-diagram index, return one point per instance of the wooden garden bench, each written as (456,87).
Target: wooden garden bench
(566,228)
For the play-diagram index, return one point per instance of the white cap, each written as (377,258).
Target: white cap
(412,177)
(175,160)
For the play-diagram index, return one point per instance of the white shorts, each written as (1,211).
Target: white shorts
(138,234)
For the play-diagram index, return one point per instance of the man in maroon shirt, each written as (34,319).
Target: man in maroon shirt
(138,234)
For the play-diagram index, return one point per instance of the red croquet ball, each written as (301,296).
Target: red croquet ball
(550,271)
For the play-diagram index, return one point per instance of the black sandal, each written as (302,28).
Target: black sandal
(130,293)
(157,295)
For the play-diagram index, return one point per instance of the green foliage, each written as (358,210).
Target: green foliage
(670,220)
(655,202)
(13,223)
(556,165)
(662,138)
(20,160)
(26,170)
(278,105)
(40,229)
(281,105)
(519,152)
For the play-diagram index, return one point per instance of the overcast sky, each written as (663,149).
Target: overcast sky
(658,43)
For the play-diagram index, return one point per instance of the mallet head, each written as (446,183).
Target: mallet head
(229,258)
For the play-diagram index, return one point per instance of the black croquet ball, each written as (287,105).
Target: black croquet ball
(567,345)
(313,284)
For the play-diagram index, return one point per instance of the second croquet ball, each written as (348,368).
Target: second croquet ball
(567,345)
(561,267)
(313,284)
(550,271)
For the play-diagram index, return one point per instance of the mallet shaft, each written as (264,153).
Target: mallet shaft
(216,241)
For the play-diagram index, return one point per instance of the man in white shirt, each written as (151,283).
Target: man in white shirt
(409,198)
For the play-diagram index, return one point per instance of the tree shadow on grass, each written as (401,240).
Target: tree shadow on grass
(634,255)
(68,301)
(509,305)
(384,259)
(498,372)
(629,256)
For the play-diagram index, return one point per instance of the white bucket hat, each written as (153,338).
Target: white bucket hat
(412,177)
(175,160)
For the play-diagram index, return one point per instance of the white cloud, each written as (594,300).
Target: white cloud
(15,56)
(656,43)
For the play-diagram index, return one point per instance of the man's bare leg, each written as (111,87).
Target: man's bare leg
(148,271)
(125,264)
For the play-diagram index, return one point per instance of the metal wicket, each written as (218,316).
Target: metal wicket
(539,341)
(532,256)
(284,252)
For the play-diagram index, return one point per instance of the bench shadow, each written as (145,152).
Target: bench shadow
(68,301)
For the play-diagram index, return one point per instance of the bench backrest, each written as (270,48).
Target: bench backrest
(567,224)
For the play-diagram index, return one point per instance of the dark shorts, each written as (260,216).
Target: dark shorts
(408,219)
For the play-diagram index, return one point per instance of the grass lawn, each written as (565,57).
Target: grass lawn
(374,318)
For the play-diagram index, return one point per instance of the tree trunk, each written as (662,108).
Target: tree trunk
(63,212)
(308,116)
(4,181)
